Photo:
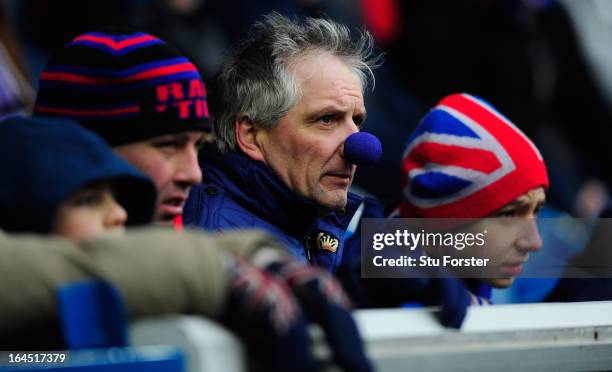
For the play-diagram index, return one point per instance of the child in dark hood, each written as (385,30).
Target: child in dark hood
(60,178)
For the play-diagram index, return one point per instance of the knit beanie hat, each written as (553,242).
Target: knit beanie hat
(45,161)
(126,87)
(466,160)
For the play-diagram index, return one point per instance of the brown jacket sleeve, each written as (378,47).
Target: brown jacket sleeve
(250,243)
(157,271)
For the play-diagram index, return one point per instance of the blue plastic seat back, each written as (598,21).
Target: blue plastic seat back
(92,315)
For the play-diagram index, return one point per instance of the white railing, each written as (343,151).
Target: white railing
(553,337)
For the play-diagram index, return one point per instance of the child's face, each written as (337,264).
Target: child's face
(90,211)
(513,235)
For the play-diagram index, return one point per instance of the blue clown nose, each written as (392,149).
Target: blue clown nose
(362,148)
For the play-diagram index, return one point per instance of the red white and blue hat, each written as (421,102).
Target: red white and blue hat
(125,86)
(467,160)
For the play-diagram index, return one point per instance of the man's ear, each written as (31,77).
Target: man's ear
(246,137)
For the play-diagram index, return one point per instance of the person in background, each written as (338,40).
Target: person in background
(139,94)
(16,91)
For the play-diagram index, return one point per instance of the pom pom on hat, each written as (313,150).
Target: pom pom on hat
(466,160)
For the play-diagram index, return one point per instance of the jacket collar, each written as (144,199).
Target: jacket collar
(257,188)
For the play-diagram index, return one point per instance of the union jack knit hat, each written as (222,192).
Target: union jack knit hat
(466,160)
(126,87)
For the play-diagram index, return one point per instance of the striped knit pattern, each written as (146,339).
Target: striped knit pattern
(466,160)
(125,87)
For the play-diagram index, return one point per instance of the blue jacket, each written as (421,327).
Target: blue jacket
(240,193)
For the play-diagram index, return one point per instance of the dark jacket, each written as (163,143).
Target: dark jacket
(240,193)
(44,161)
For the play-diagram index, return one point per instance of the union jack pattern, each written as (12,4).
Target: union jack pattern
(261,291)
(298,275)
(462,146)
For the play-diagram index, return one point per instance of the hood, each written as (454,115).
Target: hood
(44,161)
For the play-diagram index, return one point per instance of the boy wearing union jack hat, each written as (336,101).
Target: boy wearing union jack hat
(466,160)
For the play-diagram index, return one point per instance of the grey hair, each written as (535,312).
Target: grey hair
(256,82)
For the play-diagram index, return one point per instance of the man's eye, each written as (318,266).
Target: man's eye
(169,147)
(326,119)
(358,120)
(167,144)
(86,199)
(508,213)
(538,210)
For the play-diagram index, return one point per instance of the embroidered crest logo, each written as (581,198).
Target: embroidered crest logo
(327,242)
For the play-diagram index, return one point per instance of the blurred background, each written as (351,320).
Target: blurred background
(546,64)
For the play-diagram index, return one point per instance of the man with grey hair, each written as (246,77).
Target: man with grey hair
(283,107)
